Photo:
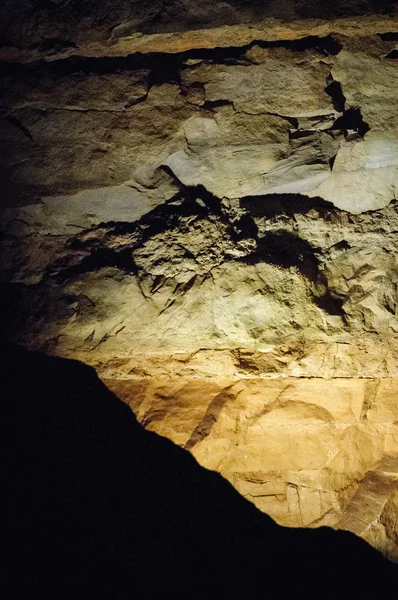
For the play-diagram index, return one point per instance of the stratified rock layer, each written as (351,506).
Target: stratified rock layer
(209,218)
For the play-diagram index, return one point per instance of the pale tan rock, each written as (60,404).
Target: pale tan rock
(307,452)
(372,511)
(245,148)
(62,215)
(367,81)
(365,172)
(269,86)
(230,153)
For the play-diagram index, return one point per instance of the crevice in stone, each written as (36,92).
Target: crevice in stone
(393,54)
(212,104)
(391,36)
(168,62)
(340,246)
(330,304)
(179,291)
(17,123)
(74,109)
(292,120)
(228,55)
(165,72)
(285,249)
(327,45)
(335,91)
(98,258)
(352,120)
(135,101)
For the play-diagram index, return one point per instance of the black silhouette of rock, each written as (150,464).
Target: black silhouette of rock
(98,507)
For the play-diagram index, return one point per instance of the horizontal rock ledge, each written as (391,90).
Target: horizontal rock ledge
(270,30)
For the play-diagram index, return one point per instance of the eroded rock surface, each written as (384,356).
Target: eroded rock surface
(213,227)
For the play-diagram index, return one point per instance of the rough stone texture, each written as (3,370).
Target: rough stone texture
(63,23)
(309,452)
(210,220)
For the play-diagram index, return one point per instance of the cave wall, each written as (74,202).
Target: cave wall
(202,204)
(63,23)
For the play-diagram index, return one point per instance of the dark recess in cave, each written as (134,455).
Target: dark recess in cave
(330,304)
(332,160)
(243,228)
(335,91)
(165,66)
(352,120)
(165,71)
(272,205)
(285,249)
(393,54)
(327,45)
(53,45)
(98,258)
(212,104)
(389,37)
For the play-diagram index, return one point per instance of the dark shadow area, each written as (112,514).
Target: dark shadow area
(389,37)
(243,227)
(330,304)
(53,45)
(98,258)
(17,123)
(352,120)
(164,67)
(91,253)
(335,91)
(326,45)
(99,508)
(12,312)
(273,205)
(213,104)
(286,249)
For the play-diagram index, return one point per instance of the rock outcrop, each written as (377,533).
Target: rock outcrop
(208,217)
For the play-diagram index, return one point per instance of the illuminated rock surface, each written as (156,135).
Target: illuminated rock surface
(209,216)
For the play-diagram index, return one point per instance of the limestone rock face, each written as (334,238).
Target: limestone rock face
(309,452)
(209,217)
(61,23)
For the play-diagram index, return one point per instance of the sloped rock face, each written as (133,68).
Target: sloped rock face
(210,220)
